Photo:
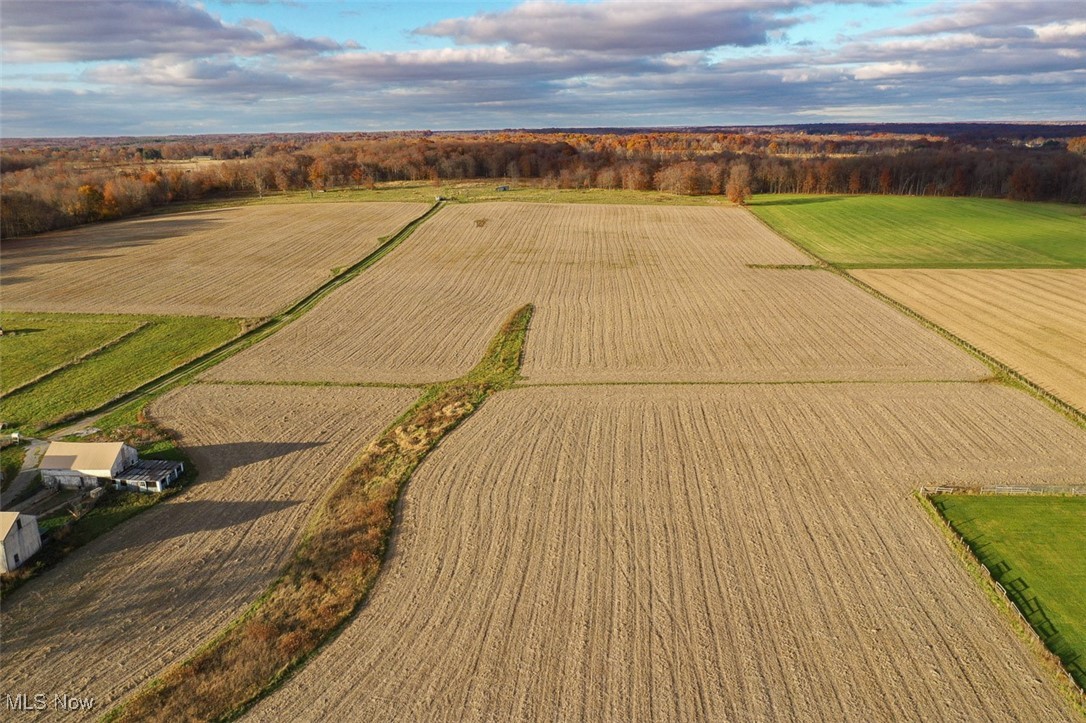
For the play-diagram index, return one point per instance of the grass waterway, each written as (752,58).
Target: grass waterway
(336,563)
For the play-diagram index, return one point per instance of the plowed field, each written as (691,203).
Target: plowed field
(1034,321)
(622,293)
(238,262)
(120,609)
(696,553)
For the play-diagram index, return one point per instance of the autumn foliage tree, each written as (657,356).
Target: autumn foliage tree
(738,188)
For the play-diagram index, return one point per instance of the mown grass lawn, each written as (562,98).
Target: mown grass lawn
(1036,548)
(927,232)
(162,344)
(34,344)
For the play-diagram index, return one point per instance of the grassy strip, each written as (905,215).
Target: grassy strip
(163,344)
(274,383)
(34,343)
(139,396)
(787,267)
(929,232)
(1001,372)
(1065,682)
(109,344)
(68,532)
(11,461)
(335,564)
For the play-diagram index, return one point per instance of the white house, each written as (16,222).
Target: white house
(79,465)
(20,539)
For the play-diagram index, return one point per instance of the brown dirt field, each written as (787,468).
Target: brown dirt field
(622,293)
(238,262)
(696,553)
(123,607)
(1032,320)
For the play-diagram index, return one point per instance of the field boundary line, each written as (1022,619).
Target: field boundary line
(247,338)
(1066,682)
(726,383)
(1008,373)
(304,383)
(105,346)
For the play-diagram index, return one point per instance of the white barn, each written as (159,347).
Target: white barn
(81,465)
(20,539)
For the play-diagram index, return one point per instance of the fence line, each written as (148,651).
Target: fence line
(1062,490)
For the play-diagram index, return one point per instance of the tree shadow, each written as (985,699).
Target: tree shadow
(199,516)
(97,241)
(232,455)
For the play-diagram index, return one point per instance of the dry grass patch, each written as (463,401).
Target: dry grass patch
(237,262)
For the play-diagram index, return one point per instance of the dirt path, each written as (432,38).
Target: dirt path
(121,608)
(696,553)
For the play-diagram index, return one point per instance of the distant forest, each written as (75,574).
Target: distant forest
(55,183)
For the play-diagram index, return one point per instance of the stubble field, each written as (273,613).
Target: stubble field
(622,293)
(239,262)
(696,553)
(1032,320)
(123,607)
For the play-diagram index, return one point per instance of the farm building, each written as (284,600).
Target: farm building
(81,465)
(149,475)
(19,539)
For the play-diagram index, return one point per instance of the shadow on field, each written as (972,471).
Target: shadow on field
(221,458)
(198,516)
(95,242)
(798,201)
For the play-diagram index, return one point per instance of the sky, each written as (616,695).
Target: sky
(166,67)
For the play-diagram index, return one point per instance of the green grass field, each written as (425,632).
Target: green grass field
(928,232)
(35,344)
(159,345)
(1036,548)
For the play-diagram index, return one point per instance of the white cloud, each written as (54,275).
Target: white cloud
(877,71)
(1061,32)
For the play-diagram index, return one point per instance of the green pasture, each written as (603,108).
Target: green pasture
(1035,547)
(35,344)
(145,347)
(929,232)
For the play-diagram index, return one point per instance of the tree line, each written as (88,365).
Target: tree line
(46,187)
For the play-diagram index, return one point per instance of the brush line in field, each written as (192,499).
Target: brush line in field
(692,553)
(126,605)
